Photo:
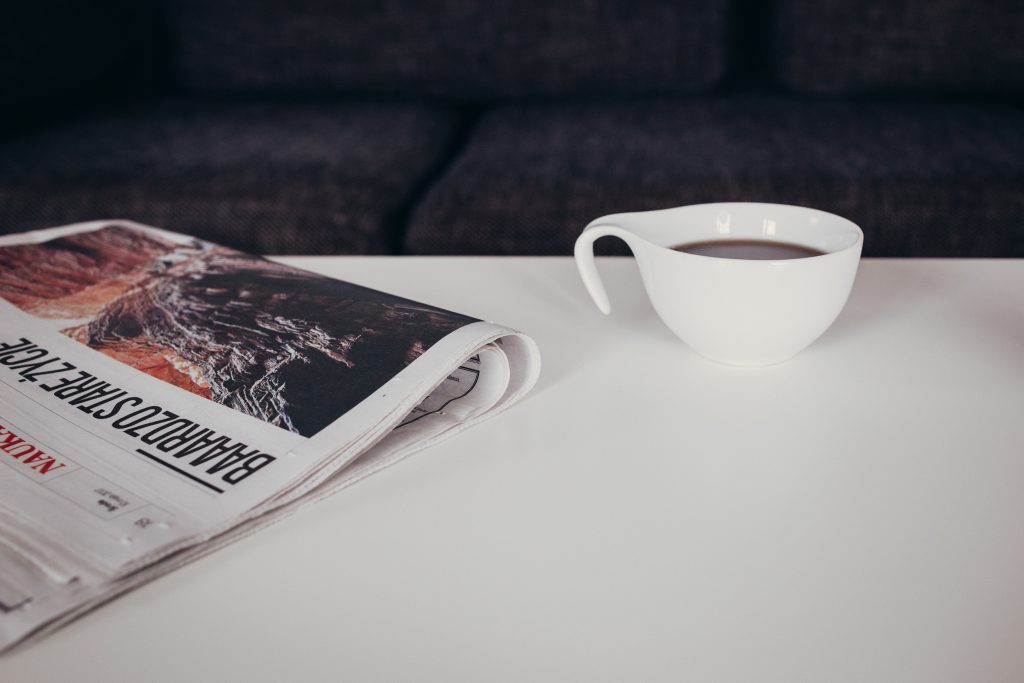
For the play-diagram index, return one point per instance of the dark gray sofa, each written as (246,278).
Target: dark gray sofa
(447,127)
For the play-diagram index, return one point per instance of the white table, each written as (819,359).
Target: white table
(856,514)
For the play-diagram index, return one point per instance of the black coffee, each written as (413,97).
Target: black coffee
(756,250)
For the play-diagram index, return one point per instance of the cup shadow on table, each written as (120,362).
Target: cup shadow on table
(996,331)
(881,295)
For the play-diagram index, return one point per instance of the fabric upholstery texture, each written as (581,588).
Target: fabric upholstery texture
(920,179)
(905,46)
(450,48)
(512,124)
(54,49)
(272,178)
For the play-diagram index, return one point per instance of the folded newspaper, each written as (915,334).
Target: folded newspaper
(161,396)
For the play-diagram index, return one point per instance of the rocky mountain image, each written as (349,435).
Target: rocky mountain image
(284,345)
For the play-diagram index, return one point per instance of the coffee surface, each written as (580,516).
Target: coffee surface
(755,250)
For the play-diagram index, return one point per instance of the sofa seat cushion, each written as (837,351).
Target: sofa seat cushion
(920,179)
(272,178)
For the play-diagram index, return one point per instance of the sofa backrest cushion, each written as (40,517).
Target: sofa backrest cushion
(878,46)
(449,48)
(55,50)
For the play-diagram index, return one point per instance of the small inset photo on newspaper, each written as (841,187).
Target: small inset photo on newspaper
(162,396)
(287,346)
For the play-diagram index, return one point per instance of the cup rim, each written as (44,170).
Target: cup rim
(855,229)
(845,222)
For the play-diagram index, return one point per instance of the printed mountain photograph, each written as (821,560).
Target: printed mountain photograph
(284,345)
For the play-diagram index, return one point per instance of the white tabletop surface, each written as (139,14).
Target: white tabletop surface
(856,514)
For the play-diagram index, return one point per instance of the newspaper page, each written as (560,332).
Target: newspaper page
(161,396)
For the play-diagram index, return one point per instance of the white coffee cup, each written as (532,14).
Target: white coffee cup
(735,311)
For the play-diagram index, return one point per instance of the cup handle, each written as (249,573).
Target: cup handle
(584,254)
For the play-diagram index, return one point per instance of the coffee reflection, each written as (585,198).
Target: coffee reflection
(754,250)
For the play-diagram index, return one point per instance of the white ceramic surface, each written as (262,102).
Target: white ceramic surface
(851,516)
(735,311)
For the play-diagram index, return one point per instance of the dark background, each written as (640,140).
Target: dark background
(458,127)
